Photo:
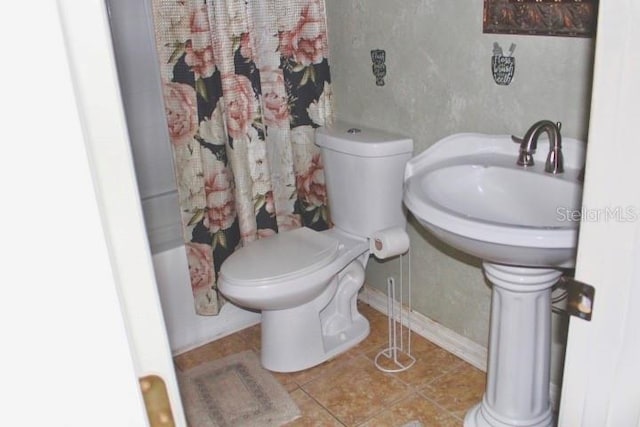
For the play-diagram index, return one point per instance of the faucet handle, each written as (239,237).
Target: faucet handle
(516,139)
(559,126)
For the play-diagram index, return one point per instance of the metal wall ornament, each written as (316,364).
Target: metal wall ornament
(567,18)
(503,66)
(378,67)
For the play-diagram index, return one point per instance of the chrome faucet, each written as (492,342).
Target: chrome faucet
(529,143)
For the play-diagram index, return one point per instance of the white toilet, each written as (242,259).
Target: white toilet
(306,282)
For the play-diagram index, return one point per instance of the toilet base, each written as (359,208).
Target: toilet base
(301,337)
(292,347)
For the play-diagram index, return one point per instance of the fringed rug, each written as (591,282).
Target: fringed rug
(234,391)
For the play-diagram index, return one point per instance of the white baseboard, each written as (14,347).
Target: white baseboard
(469,351)
(466,349)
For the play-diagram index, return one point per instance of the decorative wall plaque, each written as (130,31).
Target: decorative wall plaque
(503,66)
(378,56)
(569,18)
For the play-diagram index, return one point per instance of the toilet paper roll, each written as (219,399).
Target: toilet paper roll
(389,242)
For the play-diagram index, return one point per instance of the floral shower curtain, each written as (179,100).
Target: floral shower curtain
(245,84)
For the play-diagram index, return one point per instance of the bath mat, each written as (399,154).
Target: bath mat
(234,391)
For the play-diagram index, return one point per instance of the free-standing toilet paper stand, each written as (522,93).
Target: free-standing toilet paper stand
(395,242)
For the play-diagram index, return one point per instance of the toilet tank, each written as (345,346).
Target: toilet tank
(364,172)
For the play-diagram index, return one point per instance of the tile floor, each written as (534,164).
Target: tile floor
(350,391)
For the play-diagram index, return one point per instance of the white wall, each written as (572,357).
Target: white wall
(139,76)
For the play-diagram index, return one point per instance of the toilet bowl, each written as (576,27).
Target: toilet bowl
(306,282)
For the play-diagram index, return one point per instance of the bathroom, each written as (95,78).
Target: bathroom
(87,313)
(437,88)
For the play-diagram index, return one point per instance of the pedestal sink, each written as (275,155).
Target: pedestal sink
(523,223)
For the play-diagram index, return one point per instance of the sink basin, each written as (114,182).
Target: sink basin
(468,191)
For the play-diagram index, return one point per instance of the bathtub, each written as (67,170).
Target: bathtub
(140,84)
(185,329)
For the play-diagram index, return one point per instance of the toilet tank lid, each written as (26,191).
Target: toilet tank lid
(362,141)
(276,257)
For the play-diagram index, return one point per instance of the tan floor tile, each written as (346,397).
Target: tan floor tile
(286,381)
(431,362)
(214,350)
(349,390)
(413,408)
(369,312)
(292,379)
(379,331)
(457,391)
(303,377)
(356,390)
(313,414)
(252,336)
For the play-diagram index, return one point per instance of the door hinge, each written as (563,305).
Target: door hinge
(580,297)
(156,400)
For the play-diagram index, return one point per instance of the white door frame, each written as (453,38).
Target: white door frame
(74,250)
(93,68)
(602,366)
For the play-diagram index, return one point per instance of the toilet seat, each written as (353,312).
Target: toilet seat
(284,256)
(288,269)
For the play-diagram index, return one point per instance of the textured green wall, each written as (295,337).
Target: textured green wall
(439,82)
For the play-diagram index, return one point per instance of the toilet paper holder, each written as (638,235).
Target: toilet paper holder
(398,351)
(389,243)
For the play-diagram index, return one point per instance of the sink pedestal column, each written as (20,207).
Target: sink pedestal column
(517,391)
